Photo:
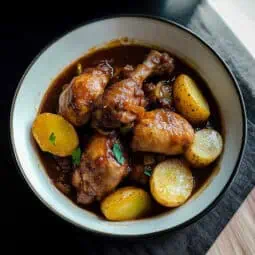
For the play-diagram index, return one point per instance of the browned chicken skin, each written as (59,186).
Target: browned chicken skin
(99,173)
(123,101)
(162,131)
(77,100)
(121,73)
(159,95)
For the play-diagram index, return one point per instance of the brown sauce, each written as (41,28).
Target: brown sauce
(121,56)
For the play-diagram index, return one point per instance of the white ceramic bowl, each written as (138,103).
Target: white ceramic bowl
(170,36)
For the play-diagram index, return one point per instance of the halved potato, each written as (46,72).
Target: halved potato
(171,183)
(206,147)
(54,134)
(127,203)
(189,100)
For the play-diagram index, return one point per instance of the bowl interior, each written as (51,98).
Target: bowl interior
(74,44)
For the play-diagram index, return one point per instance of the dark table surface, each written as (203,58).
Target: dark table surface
(25,221)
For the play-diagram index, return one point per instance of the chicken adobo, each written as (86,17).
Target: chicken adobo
(128,132)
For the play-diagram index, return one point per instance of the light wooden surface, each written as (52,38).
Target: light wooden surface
(238,237)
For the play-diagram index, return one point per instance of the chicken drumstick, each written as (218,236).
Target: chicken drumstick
(123,101)
(99,172)
(77,100)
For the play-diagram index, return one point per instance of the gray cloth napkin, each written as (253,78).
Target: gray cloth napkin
(198,237)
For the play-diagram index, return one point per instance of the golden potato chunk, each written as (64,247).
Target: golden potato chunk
(171,183)
(54,134)
(206,147)
(189,100)
(127,203)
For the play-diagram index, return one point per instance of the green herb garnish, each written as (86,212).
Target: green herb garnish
(76,156)
(148,170)
(118,153)
(52,138)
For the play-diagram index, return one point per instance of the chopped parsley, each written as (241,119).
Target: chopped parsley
(76,156)
(52,138)
(148,170)
(118,153)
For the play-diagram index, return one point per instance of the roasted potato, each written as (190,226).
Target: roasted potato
(54,134)
(206,147)
(127,203)
(189,100)
(171,183)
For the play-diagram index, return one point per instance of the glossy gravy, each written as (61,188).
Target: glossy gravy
(121,55)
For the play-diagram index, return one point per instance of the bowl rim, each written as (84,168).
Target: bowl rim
(225,66)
